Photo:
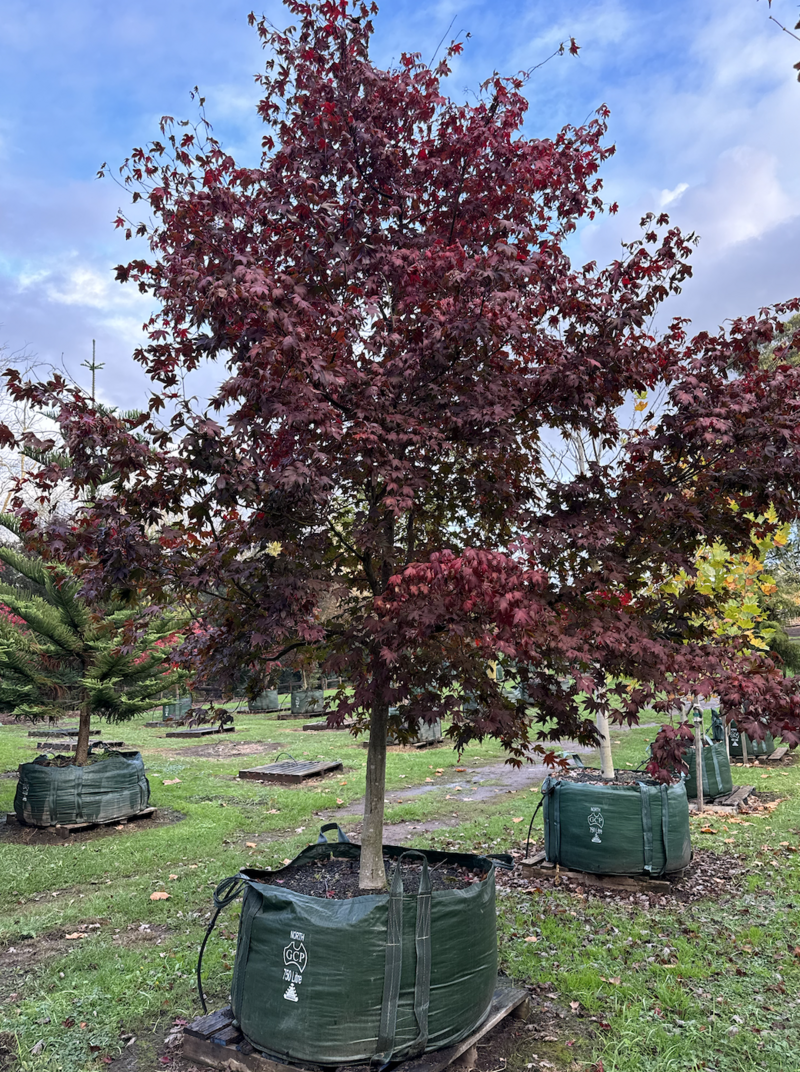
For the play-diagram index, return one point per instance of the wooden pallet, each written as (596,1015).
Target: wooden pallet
(200,731)
(65,731)
(728,804)
(285,715)
(538,867)
(291,771)
(778,754)
(346,725)
(215,1040)
(71,745)
(74,828)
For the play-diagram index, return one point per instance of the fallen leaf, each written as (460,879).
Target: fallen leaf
(429,779)
(77,934)
(172,781)
(707,830)
(532,938)
(765,776)
(517,820)
(461,769)
(574,1005)
(729,840)
(287,862)
(250,844)
(615,979)
(37,1048)
(172,878)
(339,800)
(273,811)
(159,895)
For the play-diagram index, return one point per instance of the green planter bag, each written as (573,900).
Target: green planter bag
(717,778)
(427,732)
(267,701)
(113,788)
(380,977)
(616,829)
(177,709)
(754,747)
(308,701)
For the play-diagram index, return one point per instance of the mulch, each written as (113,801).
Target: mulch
(35,836)
(337,879)
(710,874)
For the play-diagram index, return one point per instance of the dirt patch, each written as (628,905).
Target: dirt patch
(26,953)
(22,955)
(16,834)
(227,748)
(8,1052)
(554,1037)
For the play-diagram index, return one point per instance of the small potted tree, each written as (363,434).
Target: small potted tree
(58,655)
(404,336)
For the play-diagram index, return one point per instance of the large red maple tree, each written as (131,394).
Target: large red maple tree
(406,350)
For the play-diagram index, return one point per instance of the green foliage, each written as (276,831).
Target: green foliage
(58,654)
(784,349)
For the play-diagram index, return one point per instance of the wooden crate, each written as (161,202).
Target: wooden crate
(291,771)
(73,828)
(538,867)
(728,804)
(346,725)
(215,1040)
(65,731)
(200,731)
(71,745)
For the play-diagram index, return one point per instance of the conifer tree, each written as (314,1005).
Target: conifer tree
(59,653)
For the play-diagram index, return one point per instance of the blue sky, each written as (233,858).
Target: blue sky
(705,111)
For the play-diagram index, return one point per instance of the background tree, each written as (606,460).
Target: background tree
(58,654)
(403,336)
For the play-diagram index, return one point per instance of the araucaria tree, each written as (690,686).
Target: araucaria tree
(405,342)
(58,654)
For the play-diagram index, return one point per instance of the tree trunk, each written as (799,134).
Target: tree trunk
(372,875)
(606,759)
(82,746)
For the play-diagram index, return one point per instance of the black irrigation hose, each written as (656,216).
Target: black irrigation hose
(535,813)
(227,891)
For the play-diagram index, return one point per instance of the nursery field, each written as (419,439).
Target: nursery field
(99,934)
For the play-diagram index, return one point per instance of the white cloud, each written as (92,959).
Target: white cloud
(669,197)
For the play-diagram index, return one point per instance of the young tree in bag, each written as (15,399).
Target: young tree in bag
(403,336)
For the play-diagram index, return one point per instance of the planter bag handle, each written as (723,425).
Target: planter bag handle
(647,792)
(394,964)
(225,893)
(322,840)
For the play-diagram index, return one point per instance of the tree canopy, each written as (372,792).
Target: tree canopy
(403,337)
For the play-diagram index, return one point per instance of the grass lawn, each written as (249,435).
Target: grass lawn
(712,984)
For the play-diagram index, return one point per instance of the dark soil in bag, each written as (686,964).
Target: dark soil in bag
(337,879)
